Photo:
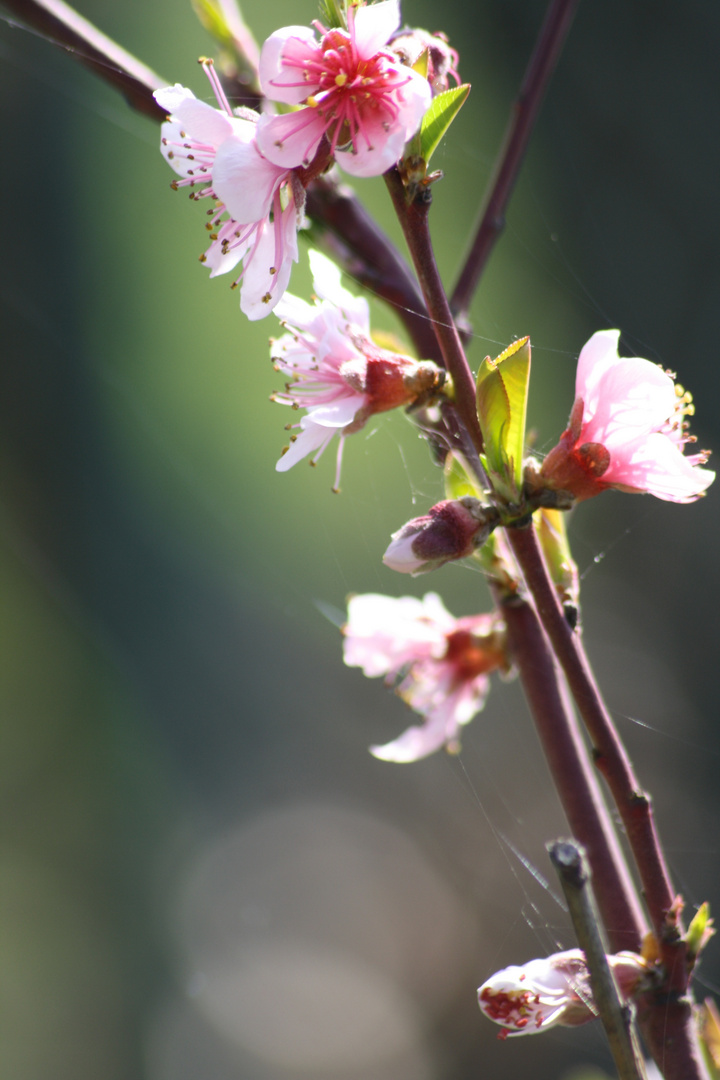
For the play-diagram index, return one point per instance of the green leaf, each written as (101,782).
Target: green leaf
(552,534)
(502,391)
(443,110)
(700,930)
(459,481)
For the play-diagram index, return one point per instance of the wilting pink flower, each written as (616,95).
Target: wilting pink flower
(336,372)
(216,154)
(555,990)
(439,665)
(451,530)
(354,91)
(627,430)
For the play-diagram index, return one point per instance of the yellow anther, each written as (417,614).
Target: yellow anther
(340,79)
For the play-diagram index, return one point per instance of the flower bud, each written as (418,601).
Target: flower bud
(451,530)
(409,45)
(554,990)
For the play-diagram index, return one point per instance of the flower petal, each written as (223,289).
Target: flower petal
(374,23)
(291,139)
(244,180)
(280,79)
(657,465)
(268,267)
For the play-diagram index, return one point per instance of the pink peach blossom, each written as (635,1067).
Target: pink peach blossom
(530,998)
(438,665)
(354,91)
(335,370)
(627,430)
(215,153)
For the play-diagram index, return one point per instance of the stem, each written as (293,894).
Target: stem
(365,253)
(576,782)
(667,1020)
(524,113)
(64,27)
(413,217)
(571,866)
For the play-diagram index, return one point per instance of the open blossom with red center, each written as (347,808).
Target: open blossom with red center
(535,996)
(354,91)
(627,430)
(438,665)
(335,371)
(257,205)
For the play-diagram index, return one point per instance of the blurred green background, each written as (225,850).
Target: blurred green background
(203,874)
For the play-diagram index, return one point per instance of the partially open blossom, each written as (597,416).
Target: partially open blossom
(533,997)
(442,61)
(451,530)
(216,155)
(627,430)
(438,665)
(354,91)
(335,370)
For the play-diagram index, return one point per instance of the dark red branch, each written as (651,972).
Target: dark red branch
(65,28)
(574,778)
(413,218)
(517,136)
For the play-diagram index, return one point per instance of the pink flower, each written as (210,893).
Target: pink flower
(453,529)
(554,990)
(263,201)
(627,430)
(337,373)
(354,91)
(438,664)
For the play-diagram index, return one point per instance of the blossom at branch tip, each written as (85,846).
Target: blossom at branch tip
(535,996)
(627,430)
(215,153)
(453,529)
(335,371)
(437,664)
(354,91)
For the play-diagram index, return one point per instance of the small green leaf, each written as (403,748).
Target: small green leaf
(459,481)
(700,930)
(552,534)
(502,391)
(443,110)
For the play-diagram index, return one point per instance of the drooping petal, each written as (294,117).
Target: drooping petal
(416,743)
(312,437)
(657,465)
(268,267)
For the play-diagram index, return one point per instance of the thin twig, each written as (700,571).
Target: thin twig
(569,862)
(524,113)
(413,218)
